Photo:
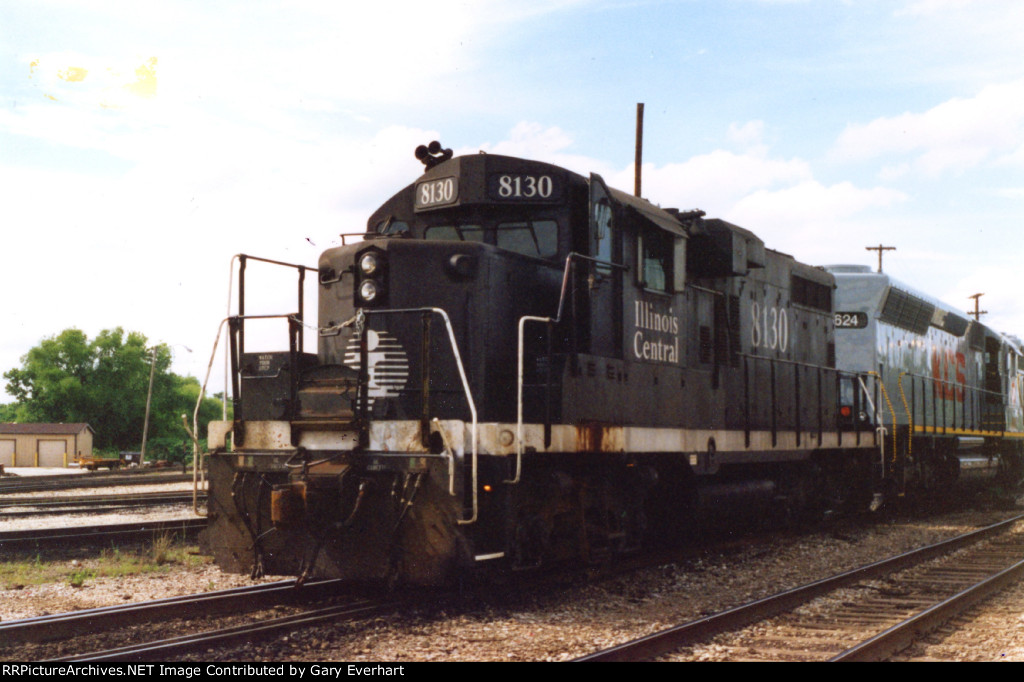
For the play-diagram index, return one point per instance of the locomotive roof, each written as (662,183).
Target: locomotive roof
(865,275)
(481,164)
(654,214)
(688,224)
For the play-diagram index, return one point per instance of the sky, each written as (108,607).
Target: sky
(143,144)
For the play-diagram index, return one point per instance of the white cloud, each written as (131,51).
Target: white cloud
(746,135)
(778,199)
(1009,193)
(531,139)
(930,7)
(272,67)
(814,222)
(1000,284)
(551,144)
(991,30)
(810,202)
(957,134)
(714,181)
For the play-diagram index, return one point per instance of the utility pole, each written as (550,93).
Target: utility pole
(880,249)
(977,312)
(149,400)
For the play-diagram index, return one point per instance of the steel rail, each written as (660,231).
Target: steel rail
(66,626)
(93,507)
(41,537)
(82,500)
(149,651)
(905,633)
(665,641)
(9,486)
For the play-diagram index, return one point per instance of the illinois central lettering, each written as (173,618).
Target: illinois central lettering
(657,334)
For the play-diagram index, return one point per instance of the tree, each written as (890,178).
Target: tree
(104,382)
(8,413)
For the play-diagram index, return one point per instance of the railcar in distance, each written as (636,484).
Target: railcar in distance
(944,390)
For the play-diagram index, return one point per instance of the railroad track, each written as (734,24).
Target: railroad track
(48,538)
(248,632)
(81,628)
(91,480)
(868,613)
(88,504)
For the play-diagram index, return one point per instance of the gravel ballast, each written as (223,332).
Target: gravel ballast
(575,620)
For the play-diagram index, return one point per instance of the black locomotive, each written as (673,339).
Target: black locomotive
(519,365)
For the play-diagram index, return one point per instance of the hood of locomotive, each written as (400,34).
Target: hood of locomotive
(482,290)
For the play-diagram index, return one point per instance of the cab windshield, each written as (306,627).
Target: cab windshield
(537,238)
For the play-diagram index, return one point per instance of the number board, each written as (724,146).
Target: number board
(525,187)
(440,192)
(851,320)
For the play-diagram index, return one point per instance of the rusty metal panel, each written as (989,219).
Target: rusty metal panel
(288,504)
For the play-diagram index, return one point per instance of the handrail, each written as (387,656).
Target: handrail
(193,433)
(954,384)
(195,466)
(465,386)
(520,350)
(519,394)
(458,362)
(243,259)
(970,393)
(885,394)
(880,429)
(819,371)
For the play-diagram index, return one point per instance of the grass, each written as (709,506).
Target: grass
(164,553)
(78,577)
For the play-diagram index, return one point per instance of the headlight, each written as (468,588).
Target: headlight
(369,290)
(369,263)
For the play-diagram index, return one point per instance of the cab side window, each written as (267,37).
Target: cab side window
(655,252)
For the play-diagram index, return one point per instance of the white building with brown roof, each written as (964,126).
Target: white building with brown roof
(44,445)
